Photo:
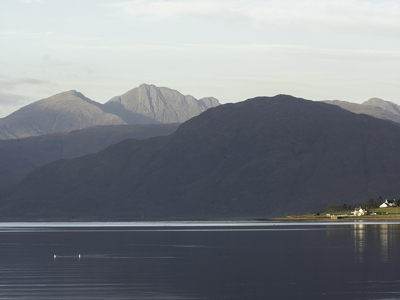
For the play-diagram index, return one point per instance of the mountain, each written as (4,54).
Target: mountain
(71,110)
(151,104)
(267,156)
(62,112)
(386,105)
(19,157)
(374,107)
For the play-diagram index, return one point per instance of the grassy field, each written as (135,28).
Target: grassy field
(380,212)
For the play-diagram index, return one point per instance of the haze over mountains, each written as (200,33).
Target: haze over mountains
(146,104)
(267,156)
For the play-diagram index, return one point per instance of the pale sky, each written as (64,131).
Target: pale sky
(232,50)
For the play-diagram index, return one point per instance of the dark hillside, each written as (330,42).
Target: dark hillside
(261,157)
(19,157)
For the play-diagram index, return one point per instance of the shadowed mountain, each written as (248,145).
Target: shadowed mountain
(157,105)
(71,110)
(261,157)
(374,107)
(19,157)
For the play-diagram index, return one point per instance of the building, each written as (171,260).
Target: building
(358,212)
(388,203)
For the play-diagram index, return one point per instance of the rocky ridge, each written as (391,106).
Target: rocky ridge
(374,107)
(71,110)
(157,105)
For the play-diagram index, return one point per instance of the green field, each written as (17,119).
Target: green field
(392,211)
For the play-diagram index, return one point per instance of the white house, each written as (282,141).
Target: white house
(359,212)
(388,203)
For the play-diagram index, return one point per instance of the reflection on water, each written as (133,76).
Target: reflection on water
(359,242)
(384,242)
(177,260)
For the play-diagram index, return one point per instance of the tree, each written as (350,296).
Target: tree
(374,202)
(360,204)
(330,207)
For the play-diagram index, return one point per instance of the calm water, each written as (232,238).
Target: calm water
(199,261)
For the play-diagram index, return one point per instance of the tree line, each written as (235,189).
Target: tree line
(371,203)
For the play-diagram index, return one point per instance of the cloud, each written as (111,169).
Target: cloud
(30,1)
(13,34)
(13,100)
(370,56)
(7,83)
(158,10)
(354,16)
(123,47)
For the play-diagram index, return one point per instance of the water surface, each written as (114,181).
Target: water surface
(200,260)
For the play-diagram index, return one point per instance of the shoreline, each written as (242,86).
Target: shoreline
(382,218)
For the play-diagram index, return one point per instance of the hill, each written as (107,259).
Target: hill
(62,112)
(374,107)
(71,110)
(261,157)
(19,157)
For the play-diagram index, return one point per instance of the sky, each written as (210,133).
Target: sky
(233,50)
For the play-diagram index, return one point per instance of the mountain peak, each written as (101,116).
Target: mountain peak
(73,93)
(70,110)
(146,85)
(65,111)
(373,101)
(386,105)
(158,105)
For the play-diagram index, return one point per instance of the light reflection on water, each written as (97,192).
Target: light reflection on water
(359,242)
(200,260)
(384,241)
(383,235)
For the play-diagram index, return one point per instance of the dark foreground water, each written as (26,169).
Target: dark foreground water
(200,261)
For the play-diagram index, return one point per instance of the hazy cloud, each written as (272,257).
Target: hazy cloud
(12,34)
(158,10)
(11,102)
(14,100)
(323,53)
(369,17)
(7,83)
(30,1)
(294,51)
(352,15)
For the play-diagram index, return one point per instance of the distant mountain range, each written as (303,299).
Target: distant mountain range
(71,110)
(146,104)
(19,157)
(267,156)
(150,104)
(375,107)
